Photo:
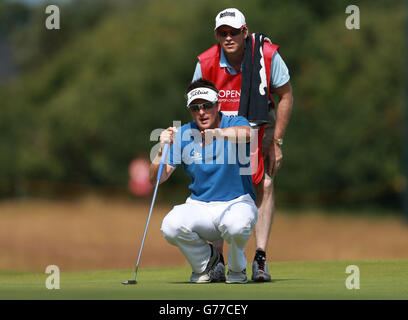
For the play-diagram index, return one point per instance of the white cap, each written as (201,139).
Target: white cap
(202,93)
(231,17)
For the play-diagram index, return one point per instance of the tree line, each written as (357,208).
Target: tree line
(86,97)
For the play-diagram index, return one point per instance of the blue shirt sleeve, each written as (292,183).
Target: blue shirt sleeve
(237,122)
(279,71)
(197,72)
(176,149)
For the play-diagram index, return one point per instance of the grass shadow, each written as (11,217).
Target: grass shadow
(249,282)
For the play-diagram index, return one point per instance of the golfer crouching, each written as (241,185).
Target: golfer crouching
(214,150)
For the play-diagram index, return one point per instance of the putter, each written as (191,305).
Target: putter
(159,174)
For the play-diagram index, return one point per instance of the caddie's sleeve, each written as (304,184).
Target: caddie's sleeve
(197,72)
(279,71)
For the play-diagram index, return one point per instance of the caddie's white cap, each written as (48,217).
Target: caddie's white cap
(202,93)
(231,17)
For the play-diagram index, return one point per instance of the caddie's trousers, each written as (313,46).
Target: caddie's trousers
(189,226)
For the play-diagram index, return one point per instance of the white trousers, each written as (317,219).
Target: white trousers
(189,226)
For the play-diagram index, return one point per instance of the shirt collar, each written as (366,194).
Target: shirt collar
(223,60)
(224,64)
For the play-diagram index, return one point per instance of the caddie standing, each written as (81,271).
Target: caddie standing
(248,70)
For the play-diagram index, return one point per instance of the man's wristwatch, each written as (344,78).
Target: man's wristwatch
(279,142)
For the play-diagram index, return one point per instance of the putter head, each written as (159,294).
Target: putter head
(129,282)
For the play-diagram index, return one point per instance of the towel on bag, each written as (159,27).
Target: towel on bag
(254,87)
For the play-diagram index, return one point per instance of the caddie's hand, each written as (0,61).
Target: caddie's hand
(274,158)
(167,136)
(278,158)
(209,135)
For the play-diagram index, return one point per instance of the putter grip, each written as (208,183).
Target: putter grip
(162,161)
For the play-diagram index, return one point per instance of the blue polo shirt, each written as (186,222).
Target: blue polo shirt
(219,171)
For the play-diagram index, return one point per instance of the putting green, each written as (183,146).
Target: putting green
(379,279)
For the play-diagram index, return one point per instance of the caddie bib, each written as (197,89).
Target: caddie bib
(229,86)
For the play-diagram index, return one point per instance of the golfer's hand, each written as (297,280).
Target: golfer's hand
(273,158)
(209,135)
(167,136)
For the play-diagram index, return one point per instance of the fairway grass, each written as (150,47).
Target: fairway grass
(379,279)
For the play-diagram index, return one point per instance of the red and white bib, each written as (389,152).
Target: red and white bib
(229,86)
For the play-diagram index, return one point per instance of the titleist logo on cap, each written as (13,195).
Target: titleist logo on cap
(202,93)
(227,13)
(194,93)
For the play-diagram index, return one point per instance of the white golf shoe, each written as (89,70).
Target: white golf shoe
(207,275)
(236,277)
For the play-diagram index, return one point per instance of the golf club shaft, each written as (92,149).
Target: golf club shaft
(159,174)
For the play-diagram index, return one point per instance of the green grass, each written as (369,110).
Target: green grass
(379,279)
